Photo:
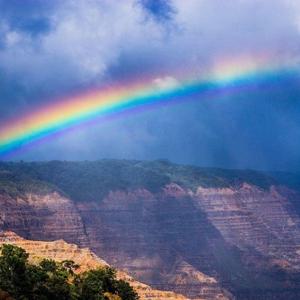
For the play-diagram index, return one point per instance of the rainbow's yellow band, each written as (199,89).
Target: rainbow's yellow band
(72,111)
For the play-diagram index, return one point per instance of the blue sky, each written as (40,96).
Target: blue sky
(53,48)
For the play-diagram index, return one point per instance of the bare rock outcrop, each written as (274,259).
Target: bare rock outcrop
(42,217)
(250,217)
(154,236)
(144,234)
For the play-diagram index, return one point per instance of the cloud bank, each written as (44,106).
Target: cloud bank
(49,49)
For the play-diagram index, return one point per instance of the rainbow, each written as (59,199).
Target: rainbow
(74,111)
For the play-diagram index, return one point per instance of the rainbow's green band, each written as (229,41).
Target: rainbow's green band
(77,110)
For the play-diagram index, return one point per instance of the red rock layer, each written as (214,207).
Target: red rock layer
(195,243)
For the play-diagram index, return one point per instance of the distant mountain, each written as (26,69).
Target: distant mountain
(205,233)
(93,180)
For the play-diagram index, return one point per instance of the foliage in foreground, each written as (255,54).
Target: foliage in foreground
(22,280)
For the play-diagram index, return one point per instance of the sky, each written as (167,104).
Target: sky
(51,49)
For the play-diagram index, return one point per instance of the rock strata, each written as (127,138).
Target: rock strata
(205,233)
(250,217)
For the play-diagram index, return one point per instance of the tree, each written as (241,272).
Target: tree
(12,270)
(48,280)
(125,291)
(70,266)
(23,280)
(57,284)
(102,284)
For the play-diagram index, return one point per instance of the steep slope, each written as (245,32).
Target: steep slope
(250,217)
(206,233)
(60,250)
(112,232)
(162,239)
(34,215)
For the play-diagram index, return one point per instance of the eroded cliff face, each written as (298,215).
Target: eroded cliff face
(46,217)
(201,243)
(144,234)
(208,234)
(253,218)
(162,239)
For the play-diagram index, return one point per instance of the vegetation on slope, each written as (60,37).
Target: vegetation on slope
(91,181)
(50,280)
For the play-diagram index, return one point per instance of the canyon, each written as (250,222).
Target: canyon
(203,233)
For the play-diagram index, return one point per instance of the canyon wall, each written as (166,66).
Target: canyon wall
(207,234)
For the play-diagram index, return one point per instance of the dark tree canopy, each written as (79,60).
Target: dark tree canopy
(48,280)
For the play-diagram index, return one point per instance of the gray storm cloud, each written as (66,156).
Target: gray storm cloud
(58,48)
(87,38)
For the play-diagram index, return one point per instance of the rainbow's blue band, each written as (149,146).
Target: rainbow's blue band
(13,137)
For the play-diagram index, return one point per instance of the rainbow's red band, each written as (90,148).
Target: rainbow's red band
(96,104)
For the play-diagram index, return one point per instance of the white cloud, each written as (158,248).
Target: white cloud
(166,82)
(88,37)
